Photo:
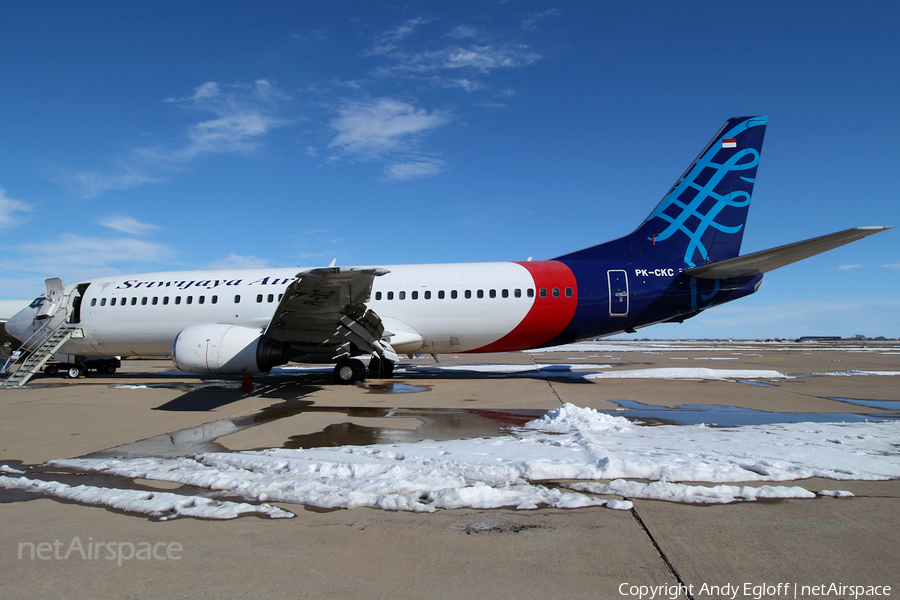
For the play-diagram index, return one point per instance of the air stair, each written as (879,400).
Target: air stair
(45,342)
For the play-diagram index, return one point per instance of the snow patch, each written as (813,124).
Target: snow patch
(159,505)
(572,444)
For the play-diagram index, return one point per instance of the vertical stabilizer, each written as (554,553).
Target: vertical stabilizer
(702,218)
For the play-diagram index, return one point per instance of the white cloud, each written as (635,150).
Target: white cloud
(387,43)
(70,251)
(93,184)
(235,261)
(850,267)
(481,59)
(531,20)
(243,118)
(375,127)
(9,209)
(415,169)
(407,28)
(463,31)
(464,83)
(126,224)
(244,115)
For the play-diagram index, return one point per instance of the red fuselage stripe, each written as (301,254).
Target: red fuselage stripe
(549,315)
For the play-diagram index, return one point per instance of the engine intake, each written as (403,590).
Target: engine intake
(216,349)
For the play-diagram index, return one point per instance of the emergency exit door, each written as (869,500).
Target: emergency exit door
(618,293)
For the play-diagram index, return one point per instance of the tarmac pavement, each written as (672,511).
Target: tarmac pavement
(762,549)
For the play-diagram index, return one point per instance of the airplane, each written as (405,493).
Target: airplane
(683,259)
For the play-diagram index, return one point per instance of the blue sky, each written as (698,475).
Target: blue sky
(147,136)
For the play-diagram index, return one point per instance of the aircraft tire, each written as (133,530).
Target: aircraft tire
(74,373)
(349,371)
(51,370)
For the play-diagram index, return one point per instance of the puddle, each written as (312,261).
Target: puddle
(396,388)
(882,404)
(437,424)
(729,416)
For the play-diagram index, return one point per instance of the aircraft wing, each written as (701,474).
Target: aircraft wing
(324,310)
(757,263)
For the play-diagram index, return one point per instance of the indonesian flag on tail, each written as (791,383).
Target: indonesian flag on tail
(729,142)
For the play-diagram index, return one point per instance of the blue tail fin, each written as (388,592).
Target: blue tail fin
(702,218)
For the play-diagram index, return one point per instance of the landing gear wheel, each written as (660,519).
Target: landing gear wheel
(74,373)
(51,370)
(381,368)
(108,369)
(350,371)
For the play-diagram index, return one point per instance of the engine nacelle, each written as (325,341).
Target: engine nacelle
(216,349)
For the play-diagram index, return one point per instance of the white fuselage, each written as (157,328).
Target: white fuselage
(430,308)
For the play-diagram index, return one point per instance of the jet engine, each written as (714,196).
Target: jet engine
(216,349)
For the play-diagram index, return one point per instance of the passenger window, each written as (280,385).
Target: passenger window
(401,296)
(165,300)
(378,295)
(468,294)
(414,295)
(214,300)
(390,295)
(190,299)
(531,292)
(93,302)
(155,300)
(102,301)
(518,293)
(271,298)
(481,293)
(177,299)
(428,295)
(134,301)
(568,292)
(556,292)
(453,294)
(237,299)
(505,293)
(201,299)
(144,301)
(441,295)
(259,298)
(280,296)
(493,293)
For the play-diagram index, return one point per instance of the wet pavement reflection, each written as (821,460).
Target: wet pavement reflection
(731,416)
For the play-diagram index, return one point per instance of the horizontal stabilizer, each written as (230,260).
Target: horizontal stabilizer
(757,263)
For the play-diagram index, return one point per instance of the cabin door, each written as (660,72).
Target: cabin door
(618,293)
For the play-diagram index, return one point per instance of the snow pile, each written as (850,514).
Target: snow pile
(160,505)
(688,373)
(569,443)
(695,494)
(572,419)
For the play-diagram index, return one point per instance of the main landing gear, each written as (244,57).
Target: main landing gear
(349,371)
(352,370)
